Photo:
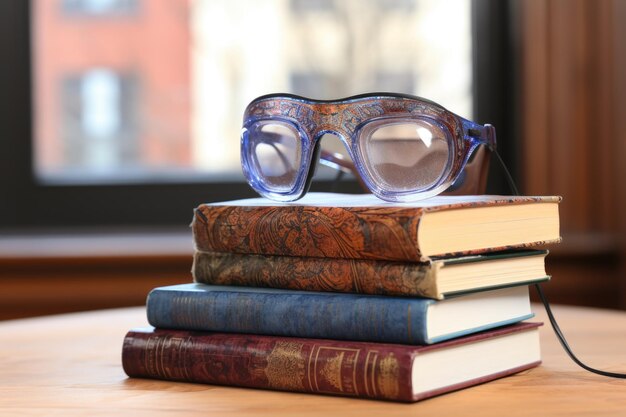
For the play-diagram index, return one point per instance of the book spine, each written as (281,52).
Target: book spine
(385,233)
(360,276)
(288,364)
(291,313)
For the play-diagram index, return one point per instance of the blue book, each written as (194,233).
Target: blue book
(338,316)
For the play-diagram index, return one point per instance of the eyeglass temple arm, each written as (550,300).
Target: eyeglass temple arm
(473,179)
(485,135)
(337,161)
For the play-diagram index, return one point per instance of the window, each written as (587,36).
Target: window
(111,95)
(185,98)
(136,121)
(98,119)
(99,7)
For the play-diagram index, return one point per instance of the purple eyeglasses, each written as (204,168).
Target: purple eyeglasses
(404,148)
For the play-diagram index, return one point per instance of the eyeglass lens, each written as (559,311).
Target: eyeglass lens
(277,154)
(405,155)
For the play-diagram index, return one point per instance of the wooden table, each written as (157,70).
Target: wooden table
(69,365)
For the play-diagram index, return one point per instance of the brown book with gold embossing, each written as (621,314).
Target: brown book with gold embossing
(363,227)
(435,279)
(357,369)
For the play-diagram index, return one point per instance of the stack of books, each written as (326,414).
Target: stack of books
(350,295)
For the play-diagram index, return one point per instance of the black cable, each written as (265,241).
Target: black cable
(563,341)
(507,174)
(555,326)
(335,182)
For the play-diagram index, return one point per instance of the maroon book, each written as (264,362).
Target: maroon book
(357,369)
(363,227)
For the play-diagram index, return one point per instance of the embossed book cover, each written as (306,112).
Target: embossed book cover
(364,227)
(353,369)
(434,279)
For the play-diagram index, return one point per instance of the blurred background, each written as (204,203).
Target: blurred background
(121,116)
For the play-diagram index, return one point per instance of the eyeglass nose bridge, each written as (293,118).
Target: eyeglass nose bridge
(336,132)
(333,131)
(336,160)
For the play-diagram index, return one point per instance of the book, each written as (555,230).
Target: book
(370,318)
(360,226)
(436,279)
(356,369)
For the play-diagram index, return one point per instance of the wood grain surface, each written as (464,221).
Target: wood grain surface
(70,365)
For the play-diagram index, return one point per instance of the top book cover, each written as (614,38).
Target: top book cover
(360,226)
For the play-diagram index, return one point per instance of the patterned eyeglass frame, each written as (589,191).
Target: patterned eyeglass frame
(344,118)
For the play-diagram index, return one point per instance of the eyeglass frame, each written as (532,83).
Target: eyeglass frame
(345,118)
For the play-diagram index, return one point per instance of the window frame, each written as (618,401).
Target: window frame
(26,204)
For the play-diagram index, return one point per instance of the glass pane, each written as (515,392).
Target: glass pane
(138,90)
